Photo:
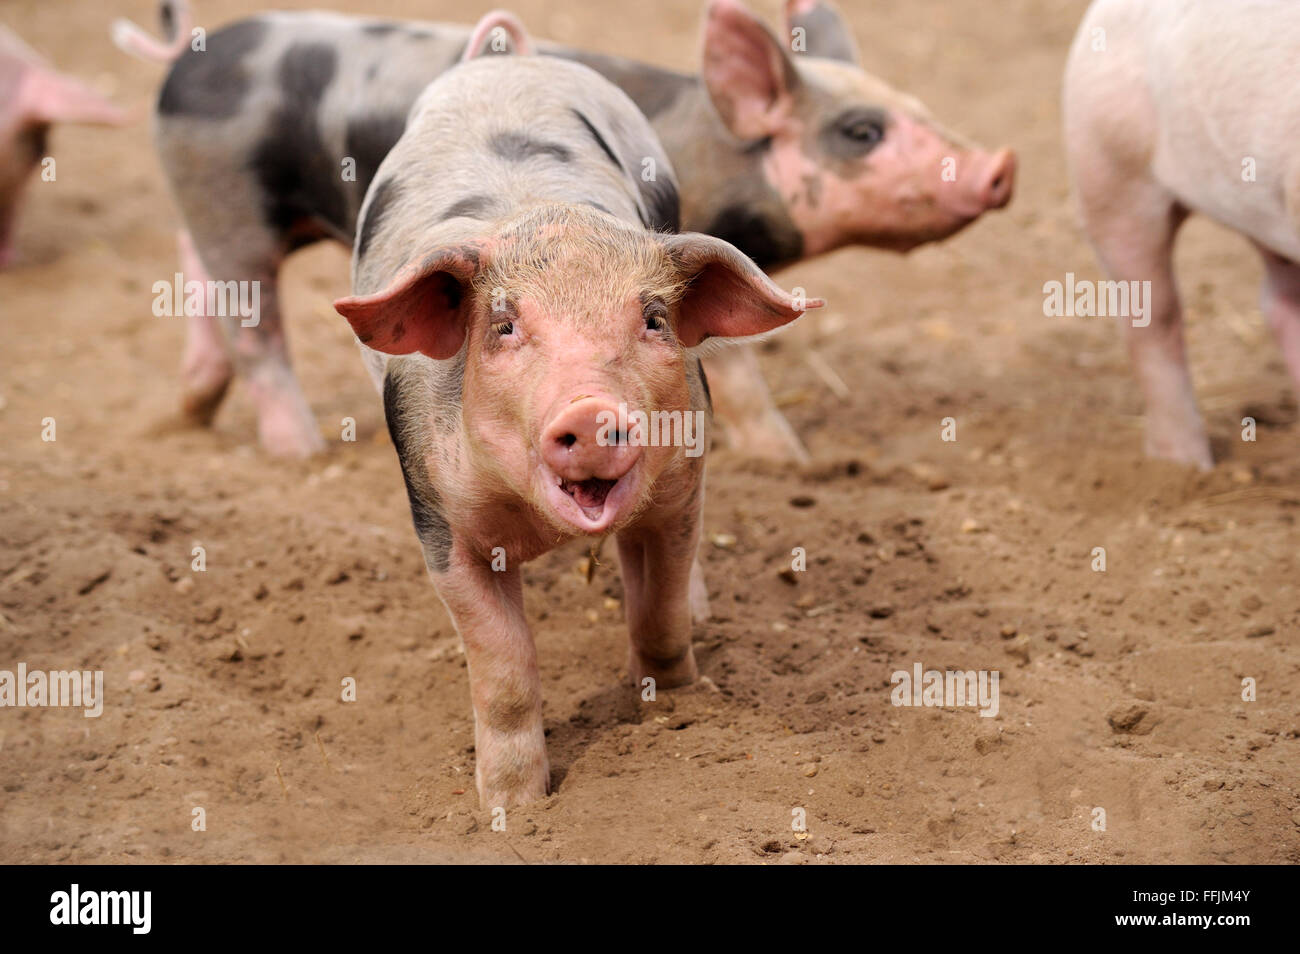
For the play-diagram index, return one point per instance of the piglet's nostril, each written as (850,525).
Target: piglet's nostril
(582,442)
(1002,180)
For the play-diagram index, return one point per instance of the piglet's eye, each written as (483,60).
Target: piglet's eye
(656,316)
(866,132)
(504,328)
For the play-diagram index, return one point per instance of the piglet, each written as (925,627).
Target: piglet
(536,347)
(1174,107)
(33,96)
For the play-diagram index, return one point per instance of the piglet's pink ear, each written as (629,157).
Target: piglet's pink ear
(728,295)
(48,97)
(425,309)
(750,79)
(497,32)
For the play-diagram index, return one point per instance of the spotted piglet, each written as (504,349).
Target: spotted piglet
(536,347)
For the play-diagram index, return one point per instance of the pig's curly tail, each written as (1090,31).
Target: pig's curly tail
(176,20)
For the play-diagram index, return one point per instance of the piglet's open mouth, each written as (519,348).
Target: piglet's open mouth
(589,494)
(589,503)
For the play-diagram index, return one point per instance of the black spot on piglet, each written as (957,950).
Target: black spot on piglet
(299,178)
(426,506)
(518,146)
(663,210)
(369,139)
(470,207)
(386,193)
(212,83)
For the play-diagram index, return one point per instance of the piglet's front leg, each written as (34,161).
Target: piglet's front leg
(487,609)
(657,562)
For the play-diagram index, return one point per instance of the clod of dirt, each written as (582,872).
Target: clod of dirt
(1018,648)
(933,479)
(820,845)
(1130,720)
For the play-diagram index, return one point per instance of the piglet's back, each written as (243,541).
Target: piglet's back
(497,134)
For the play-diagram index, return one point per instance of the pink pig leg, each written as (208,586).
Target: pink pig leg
(742,399)
(487,607)
(1280,302)
(700,611)
(206,368)
(1133,222)
(285,424)
(658,565)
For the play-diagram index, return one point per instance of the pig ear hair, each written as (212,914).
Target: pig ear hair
(498,32)
(425,309)
(727,296)
(825,33)
(750,77)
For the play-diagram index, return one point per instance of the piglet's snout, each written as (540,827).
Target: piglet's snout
(995,179)
(583,440)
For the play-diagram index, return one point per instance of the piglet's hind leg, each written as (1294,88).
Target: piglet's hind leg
(755,427)
(285,424)
(1280,302)
(206,368)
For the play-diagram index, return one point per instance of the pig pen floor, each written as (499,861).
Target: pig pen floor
(1120,690)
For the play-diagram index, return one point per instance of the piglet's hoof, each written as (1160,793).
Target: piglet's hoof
(1182,448)
(200,402)
(512,775)
(667,673)
(769,438)
(284,434)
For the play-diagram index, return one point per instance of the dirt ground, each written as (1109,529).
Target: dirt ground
(1120,690)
